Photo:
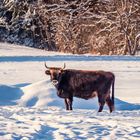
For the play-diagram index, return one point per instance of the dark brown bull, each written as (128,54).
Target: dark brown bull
(83,84)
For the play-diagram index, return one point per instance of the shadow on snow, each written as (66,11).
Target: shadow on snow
(9,95)
(122,105)
(93,104)
(68,58)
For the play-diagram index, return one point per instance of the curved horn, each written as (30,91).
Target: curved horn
(46,65)
(64,66)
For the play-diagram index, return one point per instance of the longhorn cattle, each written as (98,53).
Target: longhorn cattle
(83,84)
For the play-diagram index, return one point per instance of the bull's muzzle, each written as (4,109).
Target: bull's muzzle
(55,82)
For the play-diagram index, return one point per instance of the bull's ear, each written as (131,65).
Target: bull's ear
(47,72)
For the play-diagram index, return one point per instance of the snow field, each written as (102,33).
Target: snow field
(31,110)
(53,123)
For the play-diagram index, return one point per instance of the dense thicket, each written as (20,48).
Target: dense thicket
(77,26)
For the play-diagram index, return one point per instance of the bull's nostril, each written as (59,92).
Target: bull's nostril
(55,82)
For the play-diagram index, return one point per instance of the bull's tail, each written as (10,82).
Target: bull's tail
(113,84)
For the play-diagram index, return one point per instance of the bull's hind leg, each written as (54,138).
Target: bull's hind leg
(70,103)
(109,103)
(101,101)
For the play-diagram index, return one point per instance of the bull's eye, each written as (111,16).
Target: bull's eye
(47,72)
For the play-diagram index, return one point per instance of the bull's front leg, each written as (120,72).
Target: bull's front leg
(68,103)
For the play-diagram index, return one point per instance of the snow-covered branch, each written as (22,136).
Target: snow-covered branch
(95,26)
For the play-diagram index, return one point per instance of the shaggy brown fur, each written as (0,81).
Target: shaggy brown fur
(83,84)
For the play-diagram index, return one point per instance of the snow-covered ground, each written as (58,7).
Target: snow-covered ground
(31,110)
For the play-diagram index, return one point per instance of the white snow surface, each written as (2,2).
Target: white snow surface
(31,110)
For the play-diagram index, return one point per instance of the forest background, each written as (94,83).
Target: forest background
(101,27)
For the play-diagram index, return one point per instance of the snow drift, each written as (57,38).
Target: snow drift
(43,94)
(9,95)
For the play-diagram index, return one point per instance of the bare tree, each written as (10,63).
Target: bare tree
(78,26)
(129,21)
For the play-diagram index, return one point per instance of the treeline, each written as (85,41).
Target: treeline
(104,27)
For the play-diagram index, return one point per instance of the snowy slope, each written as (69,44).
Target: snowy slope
(30,108)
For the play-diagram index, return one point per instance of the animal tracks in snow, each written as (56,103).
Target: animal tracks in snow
(35,124)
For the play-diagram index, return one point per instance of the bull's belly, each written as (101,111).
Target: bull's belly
(80,94)
(63,94)
(85,95)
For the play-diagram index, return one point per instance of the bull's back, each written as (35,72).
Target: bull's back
(81,77)
(88,81)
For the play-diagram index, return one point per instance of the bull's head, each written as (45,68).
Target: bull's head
(55,73)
